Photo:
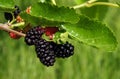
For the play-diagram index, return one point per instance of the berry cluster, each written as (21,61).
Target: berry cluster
(17,11)
(47,51)
(9,16)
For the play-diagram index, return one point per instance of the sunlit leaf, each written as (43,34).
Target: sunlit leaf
(93,33)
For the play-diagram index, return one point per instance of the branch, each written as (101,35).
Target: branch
(91,3)
(104,3)
(6,27)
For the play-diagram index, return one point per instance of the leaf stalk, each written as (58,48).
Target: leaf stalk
(91,3)
(103,3)
(53,1)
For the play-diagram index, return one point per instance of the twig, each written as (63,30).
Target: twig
(104,3)
(84,4)
(53,1)
(6,28)
(91,3)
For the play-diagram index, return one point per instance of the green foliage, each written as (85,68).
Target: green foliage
(86,30)
(92,33)
(23,4)
(37,20)
(43,11)
(7,5)
(96,12)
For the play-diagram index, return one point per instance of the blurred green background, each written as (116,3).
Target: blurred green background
(19,61)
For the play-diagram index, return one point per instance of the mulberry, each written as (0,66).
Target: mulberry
(64,50)
(33,35)
(45,52)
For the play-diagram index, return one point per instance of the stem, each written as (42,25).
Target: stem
(53,1)
(79,6)
(84,4)
(91,3)
(12,21)
(6,28)
(18,24)
(104,3)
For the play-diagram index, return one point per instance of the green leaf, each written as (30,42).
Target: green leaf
(34,21)
(47,1)
(23,4)
(51,14)
(93,33)
(7,5)
(69,3)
